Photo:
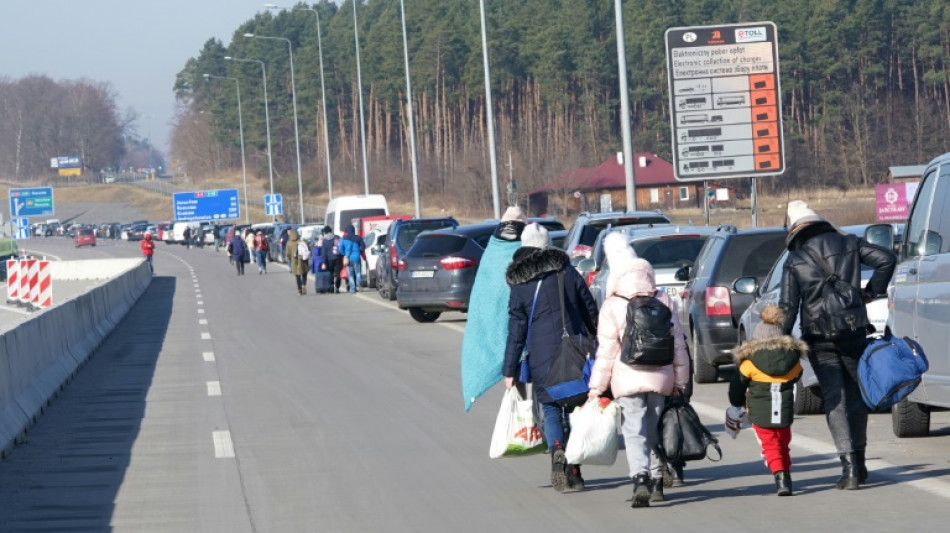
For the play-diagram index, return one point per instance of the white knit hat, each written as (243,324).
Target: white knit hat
(623,261)
(799,213)
(536,236)
(514,213)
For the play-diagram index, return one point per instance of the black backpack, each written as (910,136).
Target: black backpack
(843,314)
(648,335)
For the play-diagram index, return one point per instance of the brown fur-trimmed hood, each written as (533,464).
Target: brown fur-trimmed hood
(784,343)
(529,263)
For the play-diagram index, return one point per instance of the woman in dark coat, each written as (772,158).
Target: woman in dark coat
(532,264)
(238,248)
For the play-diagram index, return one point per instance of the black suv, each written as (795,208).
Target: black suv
(399,238)
(710,306)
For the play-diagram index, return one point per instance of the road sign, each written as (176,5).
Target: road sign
(36,201)
(22,228)
(725,101)
(273,204)
(219,204)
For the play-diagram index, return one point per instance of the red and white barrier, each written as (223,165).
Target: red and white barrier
(24,295)
(13,280)
(44,284)
(34,282)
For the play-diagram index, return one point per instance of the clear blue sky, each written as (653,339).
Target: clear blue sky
(136,45)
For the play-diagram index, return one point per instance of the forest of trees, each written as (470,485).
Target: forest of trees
(865,85)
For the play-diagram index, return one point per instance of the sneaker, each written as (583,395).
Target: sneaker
(574,479)
(641,491)
(558,468)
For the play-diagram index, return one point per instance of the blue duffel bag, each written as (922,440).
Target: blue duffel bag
(889,369)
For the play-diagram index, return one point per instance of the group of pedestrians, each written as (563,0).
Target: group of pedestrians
(768,365)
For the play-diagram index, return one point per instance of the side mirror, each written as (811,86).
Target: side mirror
(586,265)
(576,261)
(881,235)
(683,273)
(745,285)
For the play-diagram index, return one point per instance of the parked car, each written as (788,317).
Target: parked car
(580,239)
(709,305)
(808,399)
(373,243)
(85,237)
(399,238)
(437,273)
(277,240)
(667,248)
(919,297)
(136,232)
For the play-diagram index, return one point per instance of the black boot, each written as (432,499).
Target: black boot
(558,468)
(859,462)
(656,495)
(783,483)
(641,491)
(574,479)
(849,473)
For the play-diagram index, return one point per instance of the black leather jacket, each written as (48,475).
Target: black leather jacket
(801,280)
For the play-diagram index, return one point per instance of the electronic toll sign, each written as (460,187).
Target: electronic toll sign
(725,101)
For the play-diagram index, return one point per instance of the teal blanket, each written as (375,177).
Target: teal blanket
(486,328)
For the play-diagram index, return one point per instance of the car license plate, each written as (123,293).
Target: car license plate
(423,273)
(672,291)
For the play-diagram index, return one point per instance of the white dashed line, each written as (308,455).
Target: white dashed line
(201,311)
(205,336)
(202,321)
(223,447)
(208,356)
(200,302)
(214,388)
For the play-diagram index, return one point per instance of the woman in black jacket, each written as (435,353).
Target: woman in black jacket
(816,246)
(533,264)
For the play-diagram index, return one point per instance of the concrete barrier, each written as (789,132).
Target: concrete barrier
(38,356)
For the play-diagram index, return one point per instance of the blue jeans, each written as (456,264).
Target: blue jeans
(356,275)
(150,267)
(557,427)
(261,259)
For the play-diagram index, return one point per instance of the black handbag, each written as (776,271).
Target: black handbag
(567,380)
(524,371)
(682,436)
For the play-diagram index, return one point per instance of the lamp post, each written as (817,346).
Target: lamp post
(359,86)
(270,159)
(237,84)
(293,93)
(490,114)
(625,111)
(323,93)
(412,124)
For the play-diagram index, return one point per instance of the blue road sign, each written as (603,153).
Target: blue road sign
(273,204)
(32,202)
(219,204)
(22,228)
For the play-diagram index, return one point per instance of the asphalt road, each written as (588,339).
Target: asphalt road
(231,404)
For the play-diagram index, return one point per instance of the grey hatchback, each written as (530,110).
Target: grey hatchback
(439,270)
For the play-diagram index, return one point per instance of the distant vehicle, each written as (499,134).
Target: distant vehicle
(178,231)
(580,238)
(85,237)
(373,242)
(399,238)
(342,210)
(136,232)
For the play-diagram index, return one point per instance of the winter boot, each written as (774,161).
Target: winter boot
(849,473)
(783,483)
(574,479)
(676,469)
(860,463)
(656,495)
(641,491)
(558,468)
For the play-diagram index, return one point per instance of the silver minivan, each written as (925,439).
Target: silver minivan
(919,297)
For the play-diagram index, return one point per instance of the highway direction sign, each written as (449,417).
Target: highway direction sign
(273,204)
(725,101)
(219,204)
(35,201)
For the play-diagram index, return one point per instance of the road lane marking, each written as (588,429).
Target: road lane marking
(202,321)
(200,302)
(223,446)
(201,311)
(205,336)
(214,388)
(208,356)
(376,301)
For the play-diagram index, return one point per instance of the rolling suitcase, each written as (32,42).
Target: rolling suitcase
(322,281)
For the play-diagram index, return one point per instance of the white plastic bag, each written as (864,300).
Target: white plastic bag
(516,432)
(593,439)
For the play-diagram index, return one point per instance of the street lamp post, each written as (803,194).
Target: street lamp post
(270,159)
(323,93)
(359,86)
(293,91)
(412,125)
(625,111)
(490,114)
(237,84)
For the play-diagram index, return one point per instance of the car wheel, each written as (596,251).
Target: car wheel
(391,291)
(808,400)
(704,372)
(372,281)
(910,419)
(423,316)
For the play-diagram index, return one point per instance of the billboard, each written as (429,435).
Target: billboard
(69,161)
(221,204)
(892,200)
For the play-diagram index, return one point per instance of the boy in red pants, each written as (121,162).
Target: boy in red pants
(768,366)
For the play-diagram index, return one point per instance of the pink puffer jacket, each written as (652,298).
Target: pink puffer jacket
(625,380)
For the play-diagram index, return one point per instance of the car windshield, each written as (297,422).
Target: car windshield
(408,232)
(750,255)
(593,228)
(436,245)
(669,252)
(347,216)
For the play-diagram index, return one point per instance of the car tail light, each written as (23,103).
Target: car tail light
(401,265)
(455,262)
(456,304)
(718,302)
(582,250)
(393,256)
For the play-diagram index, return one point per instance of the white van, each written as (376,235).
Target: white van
(178,231)
(343,209)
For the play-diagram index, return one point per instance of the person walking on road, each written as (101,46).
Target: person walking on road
(534,272)
(640,390)
(768,366)
(819,259)
(260,251)
(318,267)
(186,235)
(351,249)
(299,262)
(237,249)
(148,249)
(332,257)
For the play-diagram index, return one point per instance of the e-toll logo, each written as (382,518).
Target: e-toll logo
(751,35)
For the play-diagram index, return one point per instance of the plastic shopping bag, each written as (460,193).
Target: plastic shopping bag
(593,438)
(516,432)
